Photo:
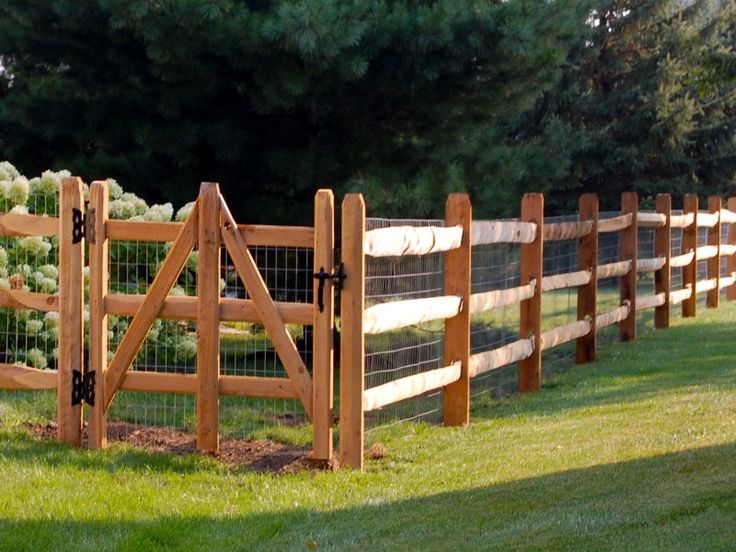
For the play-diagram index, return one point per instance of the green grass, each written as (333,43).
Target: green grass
(634,452)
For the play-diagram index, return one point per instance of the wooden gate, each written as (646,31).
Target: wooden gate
(209,227)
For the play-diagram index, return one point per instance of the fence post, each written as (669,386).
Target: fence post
(530,324)
(690,243)
(458,211)
(352,340)
(588,260)
(663,248)
(208,319)
(71,306)
(731,263)
(714,263)
(323,325)
(98,289)
(628,251)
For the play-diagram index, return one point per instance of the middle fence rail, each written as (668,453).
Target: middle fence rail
(454,239)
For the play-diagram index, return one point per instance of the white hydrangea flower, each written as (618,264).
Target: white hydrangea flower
(223,284)
(8,171)
(46,285)
(183,213)
(20,210)
(50,271)
(3,272)
(25,270)
(115,190)
(177,291)
(3,257)
(159,213)
(121,209)
(18,190)
(22,314)
(34,326)
(50,183)
(5,187)
(137,218)
(35,245)
(153,334)
(36,358)
(193,260)
(4,284)
(186,347)
(51,319)
(139,205)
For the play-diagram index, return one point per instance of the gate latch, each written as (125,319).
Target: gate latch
(83,225)
(322,276)
(83,387)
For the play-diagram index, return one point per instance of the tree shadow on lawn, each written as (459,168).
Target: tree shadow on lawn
(681,501)
(660,361)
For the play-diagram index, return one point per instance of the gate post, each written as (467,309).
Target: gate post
(71,307)
(323,325)
(352,340)
(588,260)
(690,243)
(714,263)
(628,250)
(208,319)
(98,289)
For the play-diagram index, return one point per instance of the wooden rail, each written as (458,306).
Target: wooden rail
(397,241)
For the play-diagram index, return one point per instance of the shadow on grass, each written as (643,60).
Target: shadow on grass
(660,361)
(682,501)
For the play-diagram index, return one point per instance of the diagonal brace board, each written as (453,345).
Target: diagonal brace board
(266,309)
(152,305)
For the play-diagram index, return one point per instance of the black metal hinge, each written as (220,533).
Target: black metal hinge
(83,387)
(322,276)
(83,225)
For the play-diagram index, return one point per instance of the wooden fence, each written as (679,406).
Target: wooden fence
(456,238)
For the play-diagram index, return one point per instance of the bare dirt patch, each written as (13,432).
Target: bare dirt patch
(253,455)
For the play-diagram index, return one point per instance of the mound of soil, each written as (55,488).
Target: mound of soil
(253,455)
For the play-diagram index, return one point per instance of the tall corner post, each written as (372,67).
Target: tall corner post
(690,243)
(98,324)
(628,251)
(663,249)
(458,212)
(71,307)
(712,299)
(352,339)
(530,324)
(208,319)
(323,326)
(731,263)
(588,260)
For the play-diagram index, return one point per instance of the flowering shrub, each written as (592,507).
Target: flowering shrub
(30,264)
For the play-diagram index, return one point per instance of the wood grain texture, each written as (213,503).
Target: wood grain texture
(19,224)
(14,377)
(712,299)
(690,243)
(588,261)
(663,249)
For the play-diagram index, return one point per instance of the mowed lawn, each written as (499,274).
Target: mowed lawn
(634,452)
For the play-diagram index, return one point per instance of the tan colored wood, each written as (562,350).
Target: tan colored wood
(14,377)
(705,252)
(323,324)
(256,386)
(185,384)
(480,363)
(456,398)
(352,344)
(690,243)
(612,317)
(393,315)
(144,317)
(652,264)
(714,242)
(731,263)
(503,231)
(563,334)
(682,221)
(650,220)
(614,224)
(585,349)
(530,323)
(489,300)
(71,298)
(396,241)
(682,260)
(650,301)
(567,280)
(18,224)
(254,235)
(727,249)
(19,299)
(613,270)
(680,295)
(208,319)
(628,252)
(559,231)
(728,216)
(185,308)
(706,285)
(410,386)
(98,326)
(726,281)
(269,315)
(707,219)
(663,249)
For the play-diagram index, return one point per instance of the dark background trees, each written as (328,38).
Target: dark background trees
(404,100)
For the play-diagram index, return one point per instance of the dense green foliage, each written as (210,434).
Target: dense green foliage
(403,100)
